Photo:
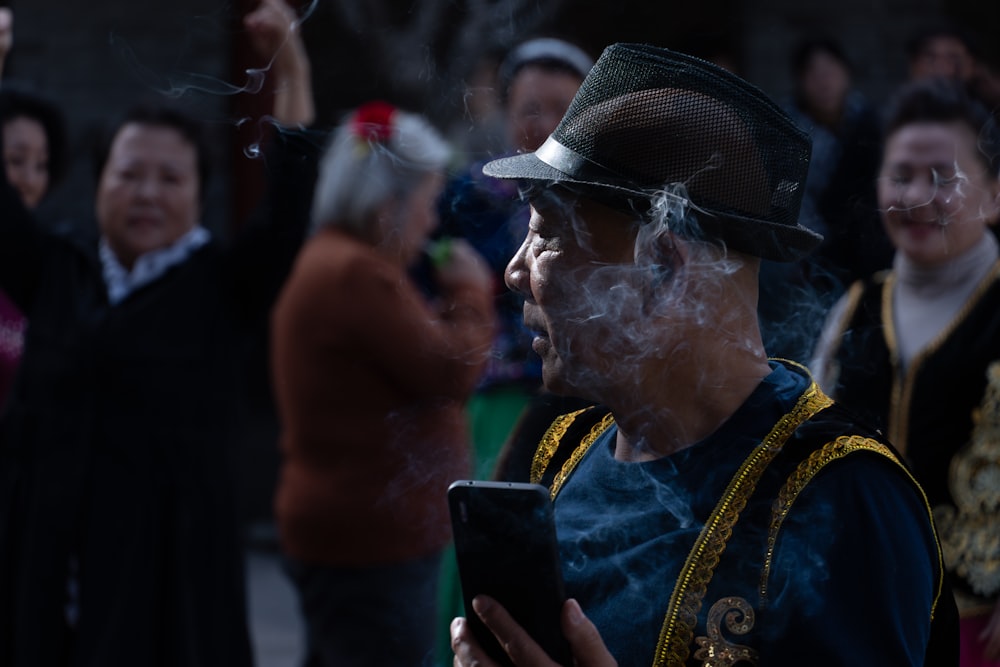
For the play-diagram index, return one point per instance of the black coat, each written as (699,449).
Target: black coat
(117,444)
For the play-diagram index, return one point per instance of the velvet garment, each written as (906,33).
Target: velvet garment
(944,418)
(819,598)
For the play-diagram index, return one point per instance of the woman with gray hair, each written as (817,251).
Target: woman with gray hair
(370,380)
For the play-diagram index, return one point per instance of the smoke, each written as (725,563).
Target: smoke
(179,83)
(946,191)
(175,83)
(620,305)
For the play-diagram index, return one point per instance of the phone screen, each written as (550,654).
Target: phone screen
(505,545)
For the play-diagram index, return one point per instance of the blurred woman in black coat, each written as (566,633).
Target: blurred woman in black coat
(119,538)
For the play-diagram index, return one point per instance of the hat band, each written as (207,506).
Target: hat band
(571,163)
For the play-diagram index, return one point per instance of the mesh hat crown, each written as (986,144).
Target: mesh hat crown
(646,118)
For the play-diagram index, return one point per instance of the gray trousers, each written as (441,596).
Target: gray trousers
(369,616)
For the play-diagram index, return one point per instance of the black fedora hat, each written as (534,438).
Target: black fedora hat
(646,118)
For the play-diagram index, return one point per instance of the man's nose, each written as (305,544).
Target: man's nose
(516,274)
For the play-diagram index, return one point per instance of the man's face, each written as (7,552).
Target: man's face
(577,274)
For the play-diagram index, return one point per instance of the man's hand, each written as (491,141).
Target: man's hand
(584,640)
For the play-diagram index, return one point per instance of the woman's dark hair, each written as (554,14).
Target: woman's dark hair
(946,101)
(191,129)
(17,102)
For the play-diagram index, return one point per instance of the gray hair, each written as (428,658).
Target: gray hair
(360,171)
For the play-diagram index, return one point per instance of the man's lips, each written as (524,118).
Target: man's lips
(535,327)
(540,344)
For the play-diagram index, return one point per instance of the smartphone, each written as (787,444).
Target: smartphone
(505,545)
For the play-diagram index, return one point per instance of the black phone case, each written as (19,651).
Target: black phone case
(505,545)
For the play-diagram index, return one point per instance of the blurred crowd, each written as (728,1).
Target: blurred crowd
(399,360)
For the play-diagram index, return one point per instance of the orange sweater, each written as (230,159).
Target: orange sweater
(370,384)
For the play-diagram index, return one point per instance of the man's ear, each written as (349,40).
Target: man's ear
(666,256)
(669,251)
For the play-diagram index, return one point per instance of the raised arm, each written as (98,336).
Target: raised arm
(273,28)
(6,35)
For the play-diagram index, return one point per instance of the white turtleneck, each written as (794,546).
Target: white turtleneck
(927,299)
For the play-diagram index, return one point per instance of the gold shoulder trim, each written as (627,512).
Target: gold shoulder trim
(674,646)
(578,453)
(807,470)
(550,443)
(798,480)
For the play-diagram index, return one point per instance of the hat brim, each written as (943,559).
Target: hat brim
(761,238)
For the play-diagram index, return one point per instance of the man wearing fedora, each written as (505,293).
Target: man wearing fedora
(714,507)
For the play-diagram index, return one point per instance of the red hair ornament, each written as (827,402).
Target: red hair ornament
(373,121)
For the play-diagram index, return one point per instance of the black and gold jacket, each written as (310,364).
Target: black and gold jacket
(717,606)
(942,414)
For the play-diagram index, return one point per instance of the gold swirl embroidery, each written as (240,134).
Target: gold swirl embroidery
(716,650)
(677,632)
(550,443)
(970,533)
(578,453)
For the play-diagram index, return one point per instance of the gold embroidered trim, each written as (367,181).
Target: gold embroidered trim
(808,469)
(902,387)
(798,480)
(578,453)
(716,650)
(970,536)
(677,632)
(550,443)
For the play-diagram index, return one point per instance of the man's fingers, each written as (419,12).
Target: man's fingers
(518,644)
(584,639)
(467,651)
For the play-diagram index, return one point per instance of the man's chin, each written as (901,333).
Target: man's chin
(555,381)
